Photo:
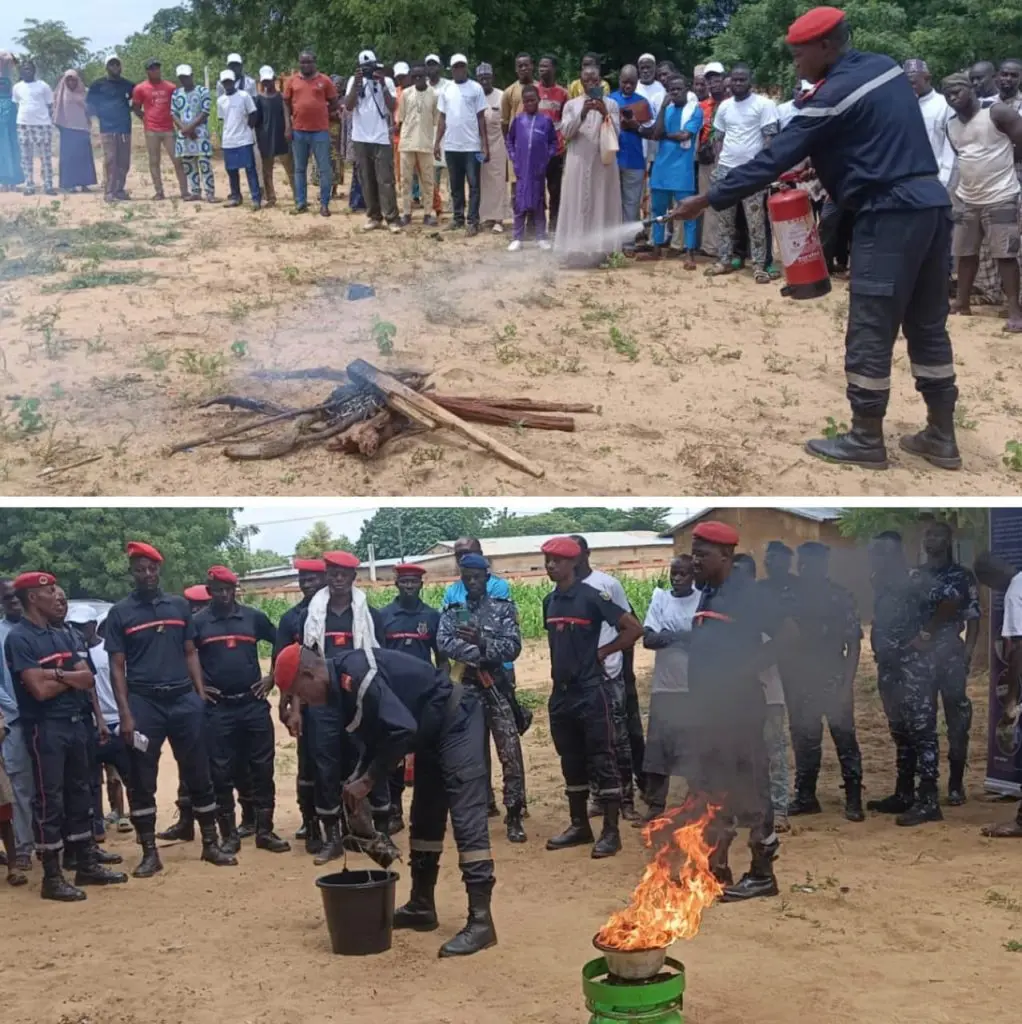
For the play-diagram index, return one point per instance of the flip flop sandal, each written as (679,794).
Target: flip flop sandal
(762,277)
(718,270)
(16,878)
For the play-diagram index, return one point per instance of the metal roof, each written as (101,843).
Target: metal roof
(816,515)
(494,547)
(284,572)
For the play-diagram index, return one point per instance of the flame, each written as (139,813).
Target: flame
(676,887)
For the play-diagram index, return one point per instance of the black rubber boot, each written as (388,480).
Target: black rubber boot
(333,845)
(419,913)
(805,801)
(515,828)
(853,800)
(313,835)
(926,808)
(956,784)
(183,830)
(899,801)
(91,871)
(863,445)
(609,842)
(249,817)
(579,832)
(936,441)
(265,837)
(719,861)
(478,933)
(212,851)
(759,880)
(150,863)
(230,840)
(302,831)
(55,885)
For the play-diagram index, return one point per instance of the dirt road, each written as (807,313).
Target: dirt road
(116,321)
(889,925)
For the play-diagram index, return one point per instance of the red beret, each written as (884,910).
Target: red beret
(285,668)
(200,592)
(221,574)
(716,533)
(342,559)
(562,547)
(814,24)
(138,549)
(407,569)
(310,565)
(32,580)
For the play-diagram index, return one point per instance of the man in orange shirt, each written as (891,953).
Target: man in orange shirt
(151,103)
(311,98)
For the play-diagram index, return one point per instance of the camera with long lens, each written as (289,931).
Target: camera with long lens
(369,68)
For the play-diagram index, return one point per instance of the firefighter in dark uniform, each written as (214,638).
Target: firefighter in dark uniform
(581,704)
(819,681)
(157,683)
(238,720)
(727,758)
(908,610)
(409,625)
(863,131)
(53,684)
(311,578)
(397,704)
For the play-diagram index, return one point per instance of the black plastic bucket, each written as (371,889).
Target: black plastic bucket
(359,908)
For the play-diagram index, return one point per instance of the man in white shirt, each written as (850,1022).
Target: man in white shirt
(654,93)
(743,125)
(997,574)
(35,127)
(461,134)
(372,97)
(243,82)
(237,112)
(935,111)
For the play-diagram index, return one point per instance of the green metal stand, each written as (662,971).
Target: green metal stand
(657,1001)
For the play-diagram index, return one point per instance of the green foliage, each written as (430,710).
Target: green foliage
(320,539)
(1012,456)
(863,523)
(52,47)
(382,333)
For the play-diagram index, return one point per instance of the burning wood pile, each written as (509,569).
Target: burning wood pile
(371,407)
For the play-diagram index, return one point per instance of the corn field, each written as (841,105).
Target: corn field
(528,597)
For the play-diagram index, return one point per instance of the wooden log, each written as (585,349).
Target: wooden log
(368,437)
(221,435)
(423,410)
(531,404)
(479,412)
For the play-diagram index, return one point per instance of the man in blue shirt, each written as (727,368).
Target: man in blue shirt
(863,131)
(109,100)
(631,157)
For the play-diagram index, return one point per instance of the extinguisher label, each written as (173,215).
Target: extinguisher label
(797,240)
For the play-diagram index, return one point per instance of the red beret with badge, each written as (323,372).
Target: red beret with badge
(341,559)
(814,24)
(310,565)
(714,532)
(408,569)
(34,580)
(139,549)
(221,574)
(562,547)
(285,668)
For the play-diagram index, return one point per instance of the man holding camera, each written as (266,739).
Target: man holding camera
(372,97)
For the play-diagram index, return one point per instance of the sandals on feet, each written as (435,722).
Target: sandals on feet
(718,270)
(16,878)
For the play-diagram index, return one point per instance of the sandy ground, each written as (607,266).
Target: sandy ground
(900,926)
(706,387)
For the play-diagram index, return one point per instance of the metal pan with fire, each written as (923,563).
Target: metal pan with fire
(633,980)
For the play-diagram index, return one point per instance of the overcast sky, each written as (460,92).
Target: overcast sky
(105,23)
(282,526)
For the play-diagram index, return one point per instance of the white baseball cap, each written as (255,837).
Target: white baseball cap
(227,75)
(401,68)
(234,58)
(266,73)
(432,58)
(714,68)
(458,58)
(366,57)
(183,69)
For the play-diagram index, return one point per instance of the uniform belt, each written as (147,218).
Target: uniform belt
(163,692)
(236,698)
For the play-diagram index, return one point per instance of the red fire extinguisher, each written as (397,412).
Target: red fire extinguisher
(794,231)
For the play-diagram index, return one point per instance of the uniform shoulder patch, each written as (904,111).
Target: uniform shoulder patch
(605,594)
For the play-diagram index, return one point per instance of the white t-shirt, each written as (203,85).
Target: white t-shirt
(34,100)
(234,111)
(605,583)
(370,120)
(936,111)
(654,94)
(674,614)
(742,124)
(462,103)
(104,687)
(1012,624)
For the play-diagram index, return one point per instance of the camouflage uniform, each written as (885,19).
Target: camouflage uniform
(481,669)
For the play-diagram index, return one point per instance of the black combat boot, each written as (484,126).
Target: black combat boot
(805,801)
(55,885)
(515,828)
(395,822)
(265,837)
(69,861)
(936,441)
(302,832)
(249,816)
(150,863)
(313,835)
(106,858)
(609,842)
(91,871)
(628,811)
(333,845)
(212,851)
(419,913)
(853,800)
(183,830)
(718,860)
(956,784)
(759,880)
(579,832)
(594,808)
(478,933)
(230,839)
(863,445)
(926,808)
(899,801)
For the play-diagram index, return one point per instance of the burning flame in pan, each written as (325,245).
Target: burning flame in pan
(676,887)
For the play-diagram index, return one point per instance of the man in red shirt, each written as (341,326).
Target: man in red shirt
(151,103)
(552,98)
(311,98)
